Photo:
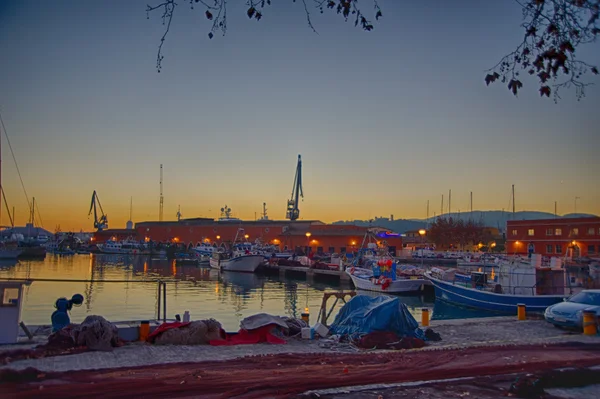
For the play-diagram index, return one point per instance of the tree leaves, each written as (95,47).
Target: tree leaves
(553,30)
(491,78)
(209,15)
(514,85)
(545,91)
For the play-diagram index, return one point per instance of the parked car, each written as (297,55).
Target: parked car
(570,312)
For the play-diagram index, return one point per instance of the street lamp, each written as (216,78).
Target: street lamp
(422,234)
(308,242)
(246,236)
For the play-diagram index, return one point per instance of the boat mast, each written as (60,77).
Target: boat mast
(161,201)
(513,202)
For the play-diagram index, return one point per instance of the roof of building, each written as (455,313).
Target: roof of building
(26,231)
(554,221)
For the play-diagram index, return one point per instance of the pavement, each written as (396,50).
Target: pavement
(464,333)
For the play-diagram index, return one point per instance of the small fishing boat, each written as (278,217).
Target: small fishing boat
(234,261)
(364,279)
(373,269)
(128,246)
(502,288)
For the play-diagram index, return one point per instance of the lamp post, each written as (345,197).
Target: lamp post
(308,242)
(422,234)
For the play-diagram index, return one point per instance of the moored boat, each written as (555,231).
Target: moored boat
(502,289)
(8,251)
(364,279)
(236,261)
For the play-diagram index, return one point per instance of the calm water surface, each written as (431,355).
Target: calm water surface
(227,297)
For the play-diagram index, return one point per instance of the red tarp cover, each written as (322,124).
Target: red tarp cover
(245,337)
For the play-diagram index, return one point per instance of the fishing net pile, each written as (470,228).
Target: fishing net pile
(288,375)
(199,332)
(96,333)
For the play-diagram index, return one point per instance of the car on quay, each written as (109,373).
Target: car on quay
(569,313)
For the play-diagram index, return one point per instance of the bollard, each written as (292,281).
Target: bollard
(425,317)
(305,315)
(144,330)
(521,313)
(589,322)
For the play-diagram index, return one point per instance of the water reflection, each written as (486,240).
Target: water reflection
(125,288)
(445,311)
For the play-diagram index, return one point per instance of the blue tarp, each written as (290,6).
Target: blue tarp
(365,314)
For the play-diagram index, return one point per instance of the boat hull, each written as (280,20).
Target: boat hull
(395,287)
(244,264)
(478,299)
(10,253)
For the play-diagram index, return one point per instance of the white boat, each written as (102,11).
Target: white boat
(204,249)
(363,280)
(128,246)
(236,261)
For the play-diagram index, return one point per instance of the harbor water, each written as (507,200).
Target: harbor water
(123,288)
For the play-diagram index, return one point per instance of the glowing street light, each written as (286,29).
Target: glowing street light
(422,233)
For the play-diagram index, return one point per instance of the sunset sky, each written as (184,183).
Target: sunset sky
(384,120)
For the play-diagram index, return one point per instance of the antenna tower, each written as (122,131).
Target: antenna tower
(160,205)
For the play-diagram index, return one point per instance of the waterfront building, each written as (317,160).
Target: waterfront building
(291,235)
(571,237)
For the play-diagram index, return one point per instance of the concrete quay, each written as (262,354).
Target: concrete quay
(456,334)
(310,273)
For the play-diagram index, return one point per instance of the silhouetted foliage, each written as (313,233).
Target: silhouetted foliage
(553,30)
(445,232)
(216,12)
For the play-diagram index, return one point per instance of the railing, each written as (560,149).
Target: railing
(162,288)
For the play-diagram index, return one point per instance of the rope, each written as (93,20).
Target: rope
(16,164)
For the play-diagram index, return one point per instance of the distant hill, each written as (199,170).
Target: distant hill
(488,218)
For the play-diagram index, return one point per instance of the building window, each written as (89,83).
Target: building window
(591,231)
(530,232)
(575,231)
(558,232)
(514,232)
(331,250)
(559,249)
(343,250)
(591,249)
(549,232)
(549,249)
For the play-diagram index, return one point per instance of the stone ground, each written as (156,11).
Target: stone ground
(462,333)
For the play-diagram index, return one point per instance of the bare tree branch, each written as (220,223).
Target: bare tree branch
(554,29)
(216,11)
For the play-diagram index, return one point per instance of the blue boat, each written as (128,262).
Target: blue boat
(475,292)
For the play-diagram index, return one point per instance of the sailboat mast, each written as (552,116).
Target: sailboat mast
(513,201)
(442,209)
(449,202)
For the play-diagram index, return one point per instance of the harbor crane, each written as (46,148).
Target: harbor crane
(101,222)
(293,213)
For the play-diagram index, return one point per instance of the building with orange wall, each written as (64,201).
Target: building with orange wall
(555,237)
(320,237)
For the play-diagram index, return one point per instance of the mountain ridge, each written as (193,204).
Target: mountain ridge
(496,219)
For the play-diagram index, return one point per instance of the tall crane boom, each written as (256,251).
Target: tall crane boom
(293,213)
(101,222)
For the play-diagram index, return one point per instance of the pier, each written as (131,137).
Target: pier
(309,272)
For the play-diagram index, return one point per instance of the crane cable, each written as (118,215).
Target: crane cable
(17,167)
